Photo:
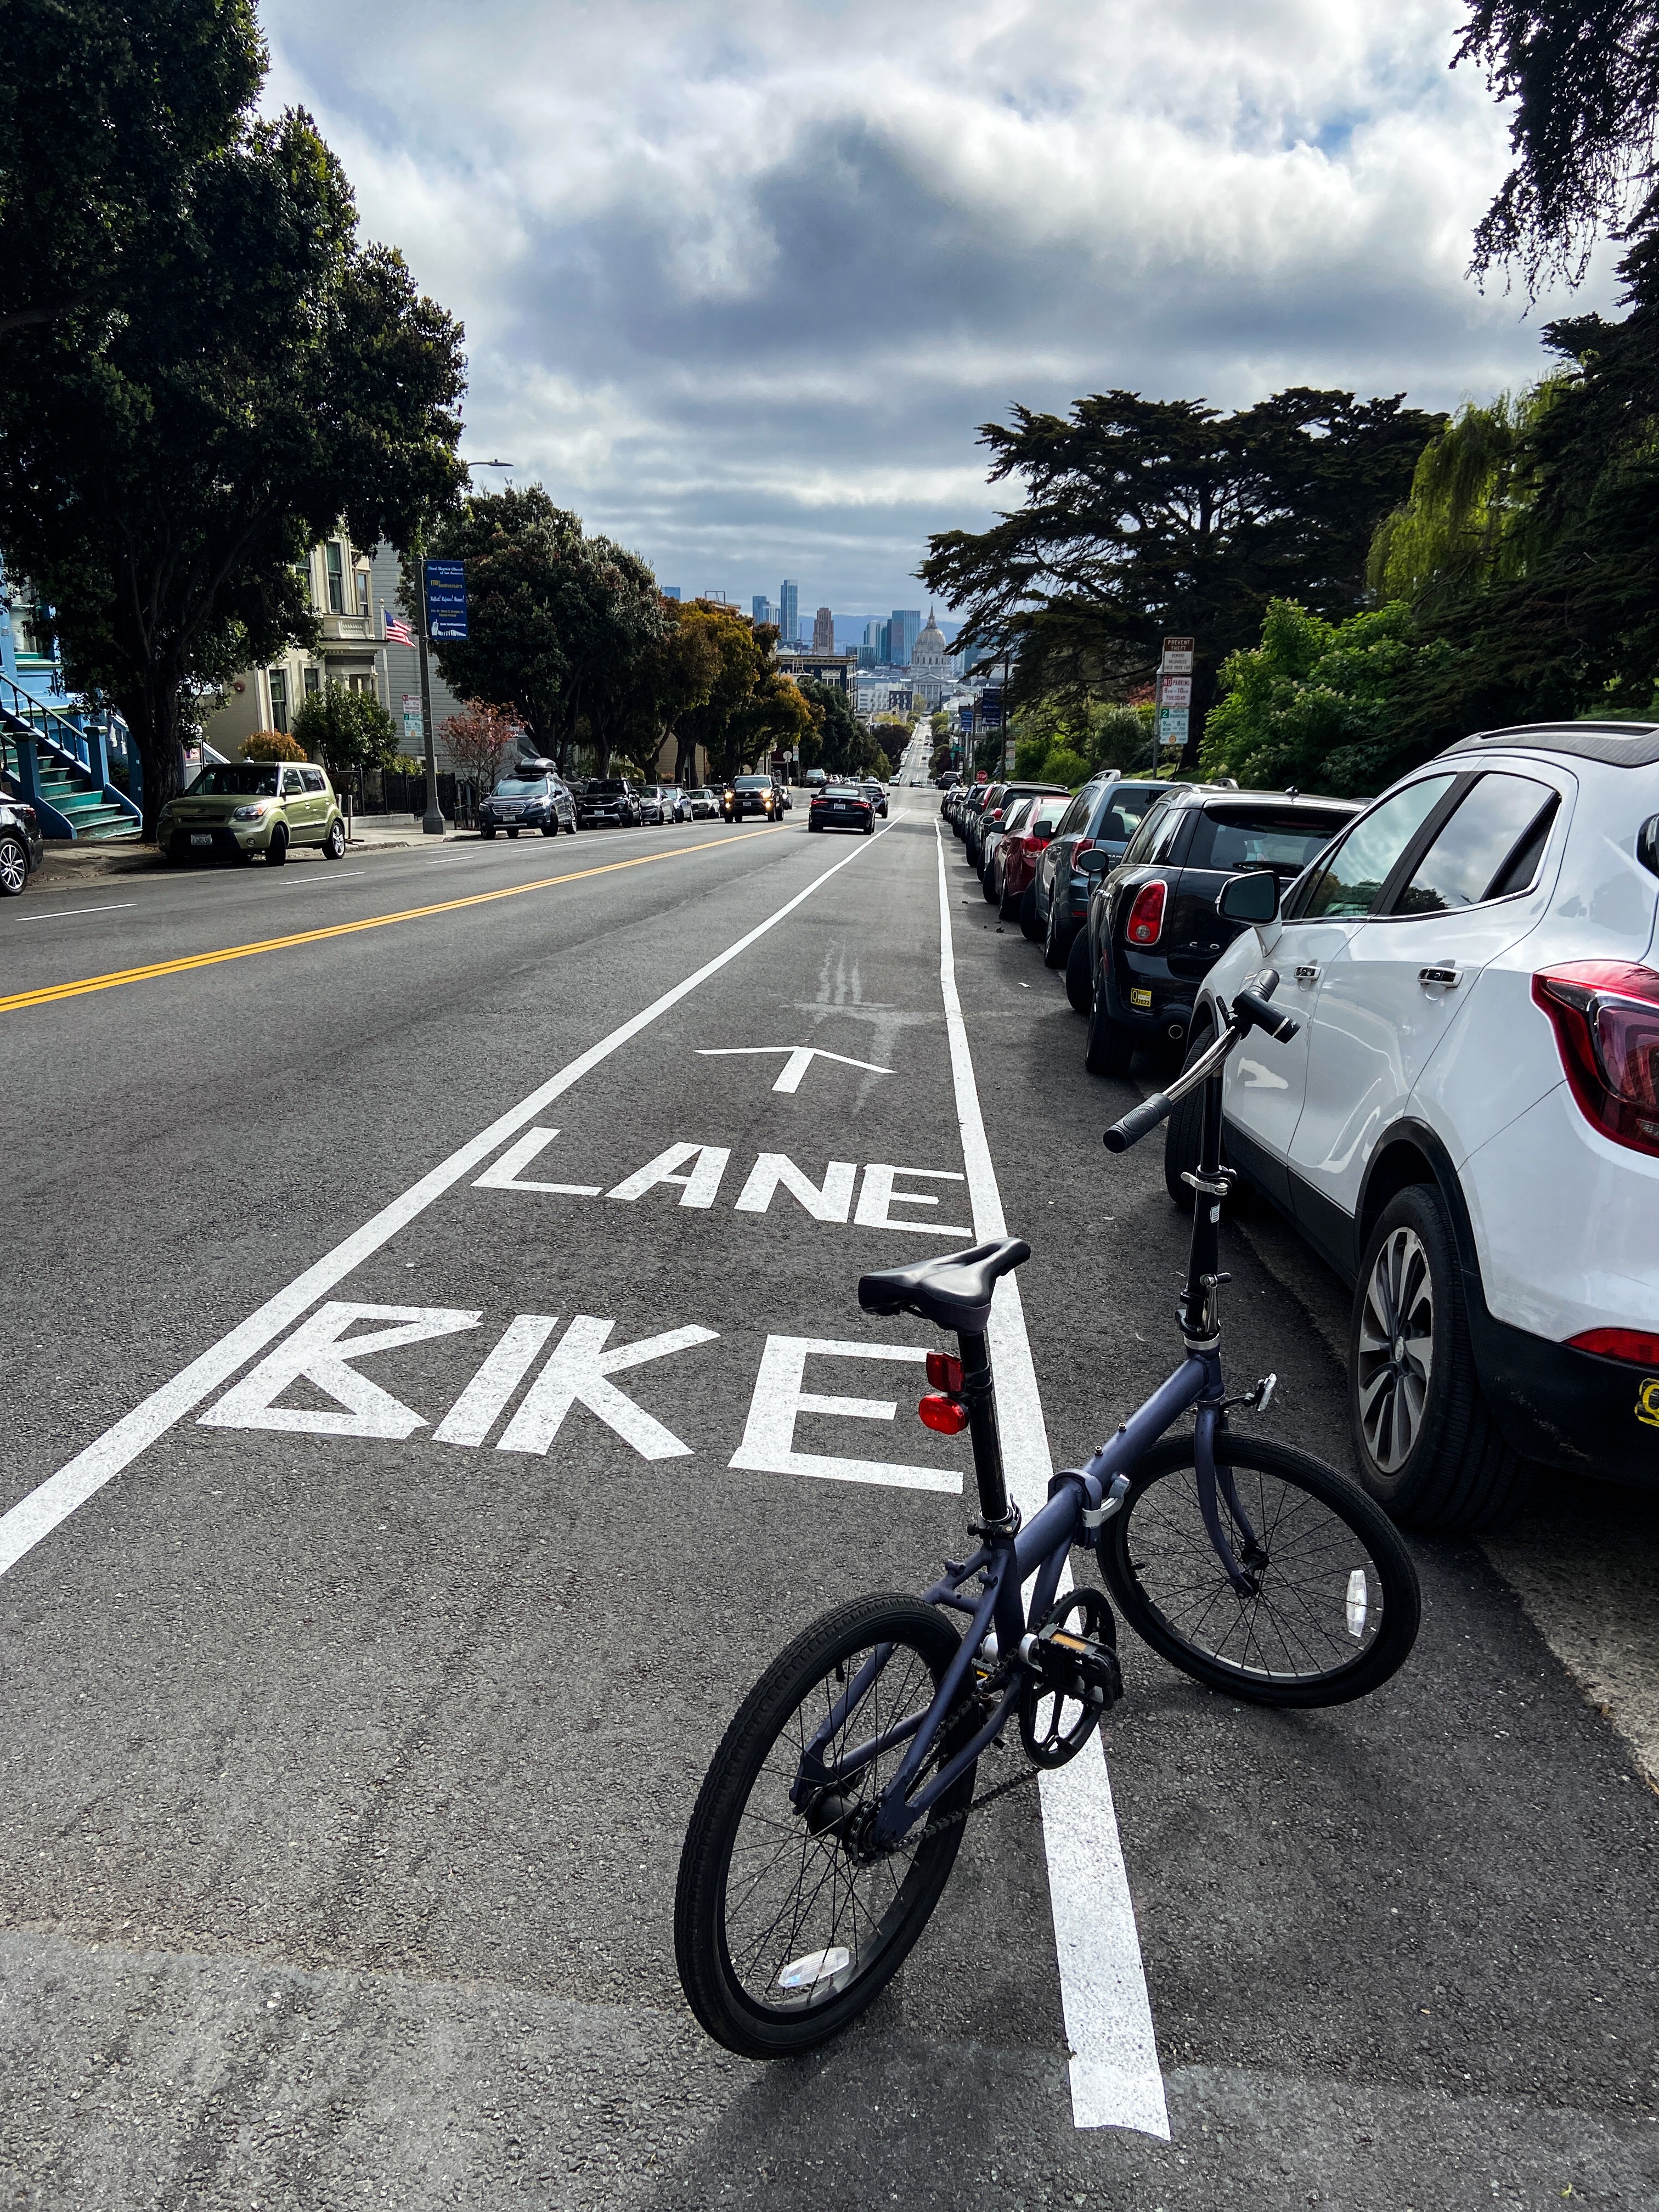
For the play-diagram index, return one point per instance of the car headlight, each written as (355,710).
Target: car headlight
(255,813)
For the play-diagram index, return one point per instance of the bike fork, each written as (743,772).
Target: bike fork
(1214,1479)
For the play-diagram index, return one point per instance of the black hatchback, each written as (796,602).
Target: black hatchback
(1154,930)
(1105,815)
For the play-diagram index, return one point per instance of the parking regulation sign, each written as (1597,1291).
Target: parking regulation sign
(446,599)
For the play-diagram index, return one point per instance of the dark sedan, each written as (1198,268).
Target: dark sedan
(840,806)
(1154,930)
(21,849)
(531,797)
(1105,814)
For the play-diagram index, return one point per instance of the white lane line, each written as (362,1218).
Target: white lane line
(62,913)
(53,1501)
(1116,2081)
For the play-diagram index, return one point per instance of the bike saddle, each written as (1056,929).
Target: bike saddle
(952,1291)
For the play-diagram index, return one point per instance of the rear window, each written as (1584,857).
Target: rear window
(1121,809)
(1263,838)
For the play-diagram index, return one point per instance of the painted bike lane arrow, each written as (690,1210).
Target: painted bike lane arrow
(799,1059)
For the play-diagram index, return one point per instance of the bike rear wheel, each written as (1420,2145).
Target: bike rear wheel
(1334,1608)
(784,1931)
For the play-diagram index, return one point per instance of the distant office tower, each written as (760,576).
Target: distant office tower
(875,637)
(763,608)
(904,631)
(823,631)
(788,610)
(670,591)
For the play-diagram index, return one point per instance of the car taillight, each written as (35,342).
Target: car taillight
(1606,1018)
(1145,924)
(1640,1346)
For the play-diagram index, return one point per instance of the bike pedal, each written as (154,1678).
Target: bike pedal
(1075,1666)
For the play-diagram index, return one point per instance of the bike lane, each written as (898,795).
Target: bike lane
(525,1483)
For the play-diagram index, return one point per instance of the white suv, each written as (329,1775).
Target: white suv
(1466,1124)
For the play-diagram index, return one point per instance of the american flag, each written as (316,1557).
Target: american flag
(398,631)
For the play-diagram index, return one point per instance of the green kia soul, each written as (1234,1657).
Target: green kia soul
(238,808)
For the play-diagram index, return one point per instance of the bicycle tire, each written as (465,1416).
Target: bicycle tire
(735,2002)
(1293,1643)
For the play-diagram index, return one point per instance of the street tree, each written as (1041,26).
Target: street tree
(1584,78)
(1143,518)
(347,730)
(108,109)
(480,741)
(164,470)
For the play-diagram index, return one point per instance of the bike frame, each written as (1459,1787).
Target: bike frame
(1080,1502)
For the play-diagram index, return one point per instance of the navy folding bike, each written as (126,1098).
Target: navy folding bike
(831,1815)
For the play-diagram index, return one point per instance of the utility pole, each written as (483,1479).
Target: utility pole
(432,825)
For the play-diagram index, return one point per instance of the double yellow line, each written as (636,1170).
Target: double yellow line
(79,989)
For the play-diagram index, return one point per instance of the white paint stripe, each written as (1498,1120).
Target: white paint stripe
(1116,2081)
(64,913)
(35,1516)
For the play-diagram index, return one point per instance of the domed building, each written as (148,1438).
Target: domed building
(930,666)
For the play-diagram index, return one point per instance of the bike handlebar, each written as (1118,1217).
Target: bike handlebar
(1249,1010)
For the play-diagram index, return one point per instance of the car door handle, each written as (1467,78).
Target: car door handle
(1307,972)
(1447,978)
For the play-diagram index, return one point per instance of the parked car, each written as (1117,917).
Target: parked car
(781,786)
(1153,929)
(1011,877)
(235,809)
(976,798)
(841,806)
(21,848)
(1104,815)
(532,796)
(1466,1124)
(877,797)
(748,794)
(705,807)
(992,832)
(608,802)
(991,815)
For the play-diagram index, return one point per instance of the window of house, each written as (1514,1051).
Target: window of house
(279,699)
(363,591)
(334,562)
(313,681)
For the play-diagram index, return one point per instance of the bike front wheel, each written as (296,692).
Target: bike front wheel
(786,1925)
(1330,1604)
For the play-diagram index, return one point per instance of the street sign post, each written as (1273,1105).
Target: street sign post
(1175,695)
(443,617)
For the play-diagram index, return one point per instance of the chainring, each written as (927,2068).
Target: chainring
(1054,1724)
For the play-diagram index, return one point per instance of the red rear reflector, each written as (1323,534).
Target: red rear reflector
(945,1372)
(1146,914)
(1639,1345)
(1606,1017)
(944,1414)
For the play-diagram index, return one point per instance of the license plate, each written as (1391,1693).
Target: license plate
(201,836)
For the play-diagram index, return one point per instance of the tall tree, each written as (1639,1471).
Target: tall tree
(108,110)
(1147,517)
(164,470)
(1584,76)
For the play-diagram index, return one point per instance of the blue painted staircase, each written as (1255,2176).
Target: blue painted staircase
(60,758)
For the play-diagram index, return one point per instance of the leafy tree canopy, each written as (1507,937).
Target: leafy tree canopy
(164,470)
(1143,518)
(346,729)
(1584,78)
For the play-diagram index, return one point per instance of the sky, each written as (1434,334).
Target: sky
(739,286)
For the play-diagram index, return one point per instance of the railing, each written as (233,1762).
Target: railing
(89,741)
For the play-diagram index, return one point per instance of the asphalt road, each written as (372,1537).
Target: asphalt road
(355,1707)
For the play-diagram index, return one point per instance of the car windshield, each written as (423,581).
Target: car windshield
(237,779)
(753,783)
(1263,838)
(515,787)
(604,787)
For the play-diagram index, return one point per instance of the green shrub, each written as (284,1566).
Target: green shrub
(272,744)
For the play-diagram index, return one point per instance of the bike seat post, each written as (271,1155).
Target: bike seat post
(979,1395)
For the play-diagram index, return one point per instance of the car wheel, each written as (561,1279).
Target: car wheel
(1183,1133)
(1055,947)
(14,866)
(549,829)
(1030,925)
(870,827)
(334,844)
(276,851)
(172,851)
(1429,1450)
(1079,976)
(987,884)
(512,833)
(486,830)
(1008,906)
(1109,1046)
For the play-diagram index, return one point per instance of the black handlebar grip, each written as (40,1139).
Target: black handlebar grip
(1135,1124)
(1252,1012)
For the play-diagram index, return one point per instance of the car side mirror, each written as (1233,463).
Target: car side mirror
(1252,897)
(1095,862)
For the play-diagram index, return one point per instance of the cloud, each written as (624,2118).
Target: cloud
(742,292)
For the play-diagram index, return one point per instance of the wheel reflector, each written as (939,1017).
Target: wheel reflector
(816,1967)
